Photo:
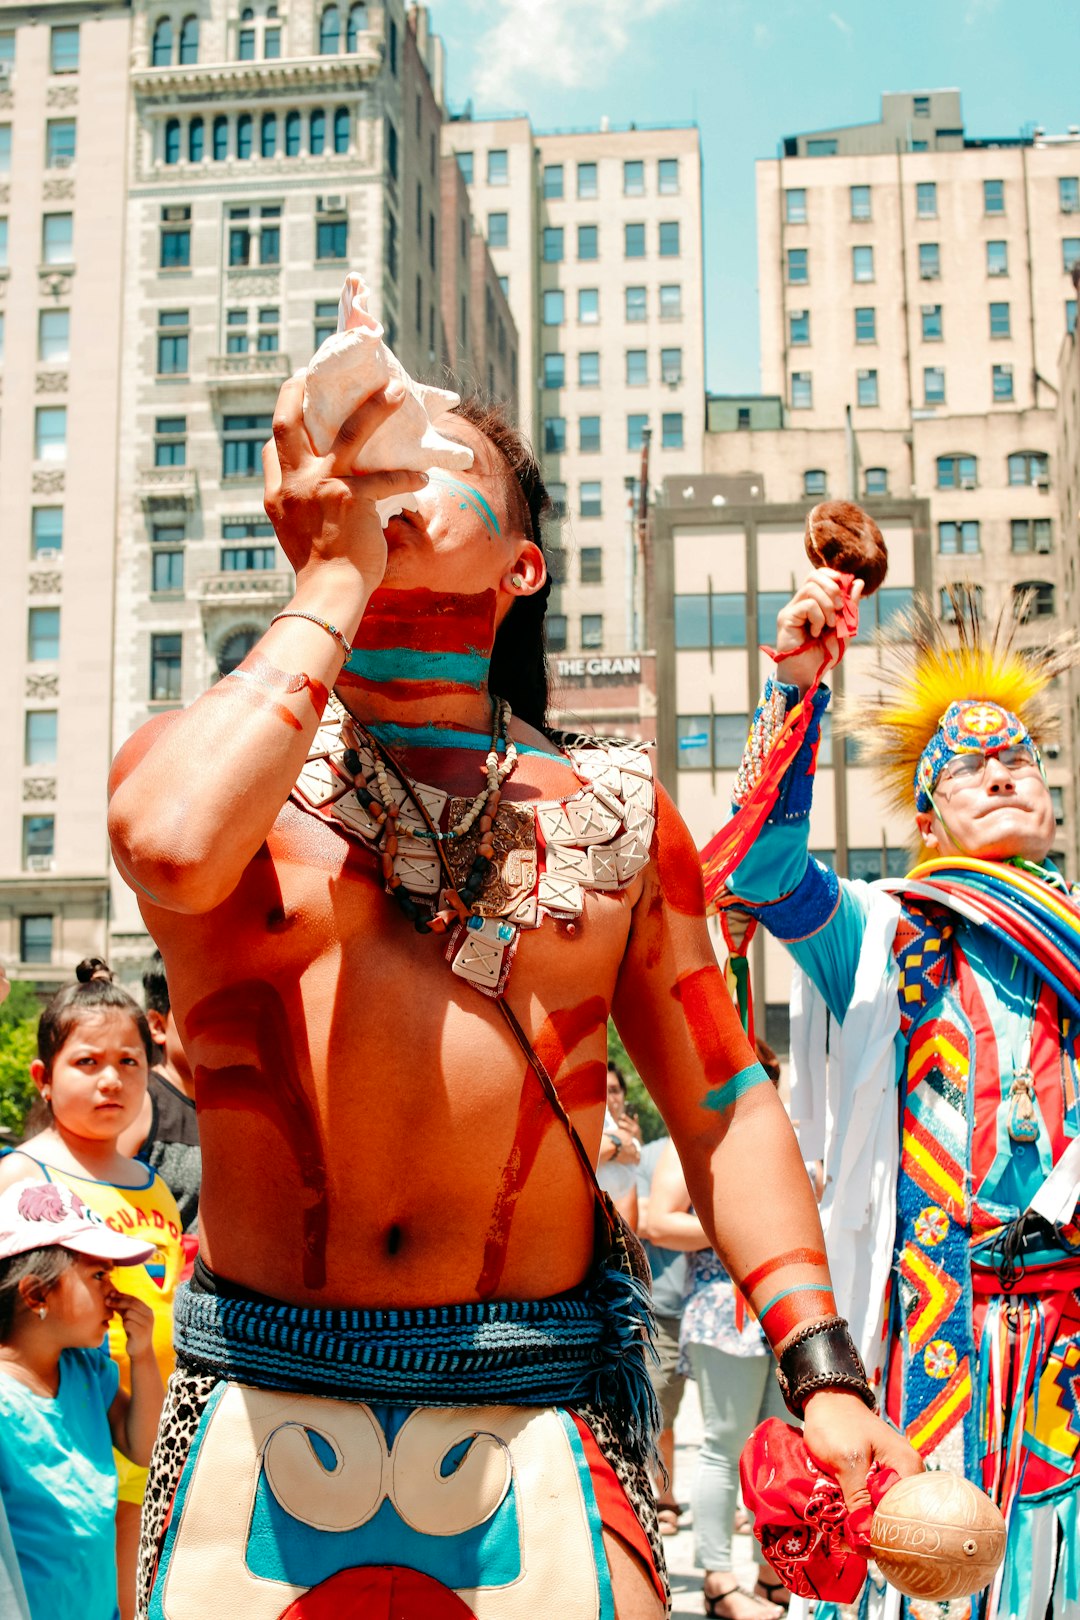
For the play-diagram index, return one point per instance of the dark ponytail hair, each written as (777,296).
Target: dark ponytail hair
(519,669)
(95,990)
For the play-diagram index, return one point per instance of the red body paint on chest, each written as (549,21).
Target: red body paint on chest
(253,1013)
(561,1033)
(437,621)
(714,1028)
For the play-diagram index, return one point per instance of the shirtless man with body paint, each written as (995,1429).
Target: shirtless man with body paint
(372,1134)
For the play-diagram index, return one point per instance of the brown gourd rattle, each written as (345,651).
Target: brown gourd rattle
(841,535)
(937,1536)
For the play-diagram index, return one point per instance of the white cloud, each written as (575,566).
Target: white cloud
(566,42)
(841,23)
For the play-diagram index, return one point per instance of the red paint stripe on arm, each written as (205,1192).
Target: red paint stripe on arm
(791,1257)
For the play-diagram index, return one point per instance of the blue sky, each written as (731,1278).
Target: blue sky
(749,72)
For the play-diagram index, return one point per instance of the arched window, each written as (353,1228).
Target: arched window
(248,14)
(196,141)
(1029,467)
(317,133)
(189,41)
(234,649)
(292,134)
(1034,599)
(268,141)
(161,51)
(342,129)
(814,481)
(356,25)
(221,138)
(244,135)
(330,32)
(957,472)
(172,141)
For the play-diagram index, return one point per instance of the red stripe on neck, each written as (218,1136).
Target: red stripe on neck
(439,621)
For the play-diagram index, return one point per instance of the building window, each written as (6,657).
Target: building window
(1031,534)
(554,435)
(933,385)
(356,25)
(391,150)
(592,565)
(1070,253)
(586,180)
(932,328)
(929,261)
(316,133)
(220,138)
(64,50)
(866,388)
(592,505)
(557,496)
(54,335)
(165,658)
(555,632)
(38,841)
(189,41)
(862,264)
(997,258)
(866,325)
(175,238)
(957,472)
(637,368)
(553,244)
(742,419)
(926,199)
(1002,382)
(1069,194)
(554,306)
(498,230)
(1029,467)
(57,239)
(43,635)
(7,46)
(589,434)
(1057,800)
(822,146)
(196,141)
(795,205)
(326,312)
(671,371)
(636,304)
(553,180)
(860,202)
(465,165)
(955,539)
(46,530)
(667,176)
(270,234)
(36,933)
(592,631)
(876,481)
(245,39)
(331,239)
(636,425)
(727,627)
(330,31)
(292,134)
(1000,322)
(60,143)
(634,241)
(589,368)
(170,441)
(239,237)
(693,741)
(242,440)
(554,370)
(921,106)
(497,167)
(588,305)
(671,302)
(1034,599)
(669,239)
(172,141)
(798,327)
(50,433)
(802,391)
(172,342)
(39,739)
(167,572)
(342,130)
(798,266)
(268,337)
(813,482)
(671,430)
(633,178)
(993,196)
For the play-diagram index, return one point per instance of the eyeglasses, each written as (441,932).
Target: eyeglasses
(968,770)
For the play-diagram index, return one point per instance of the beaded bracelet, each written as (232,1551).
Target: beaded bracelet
(323,624)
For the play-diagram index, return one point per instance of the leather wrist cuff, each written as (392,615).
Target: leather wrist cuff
(822,1356)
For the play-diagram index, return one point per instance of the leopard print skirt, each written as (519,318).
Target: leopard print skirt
(185,1400)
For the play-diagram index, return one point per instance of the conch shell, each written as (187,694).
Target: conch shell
(354,363)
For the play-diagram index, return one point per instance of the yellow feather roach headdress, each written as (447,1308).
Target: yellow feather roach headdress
(927,663)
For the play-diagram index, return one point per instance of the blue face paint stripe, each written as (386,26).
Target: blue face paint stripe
(409,664)
(474,498)
(398,736)
(799,1288)
(731,1090)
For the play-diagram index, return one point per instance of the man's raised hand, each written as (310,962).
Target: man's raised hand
(811,616)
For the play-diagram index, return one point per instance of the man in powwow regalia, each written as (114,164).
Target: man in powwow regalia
(948,1106)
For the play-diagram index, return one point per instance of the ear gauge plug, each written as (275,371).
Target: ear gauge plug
(517,582)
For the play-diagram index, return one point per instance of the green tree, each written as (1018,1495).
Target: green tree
(637,1098)
(18,1047)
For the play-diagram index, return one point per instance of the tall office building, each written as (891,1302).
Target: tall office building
(597,236)
(63,138)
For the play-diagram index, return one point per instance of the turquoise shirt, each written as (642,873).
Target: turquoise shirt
(58,1485)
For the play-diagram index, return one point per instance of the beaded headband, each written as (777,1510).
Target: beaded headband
(971,726)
